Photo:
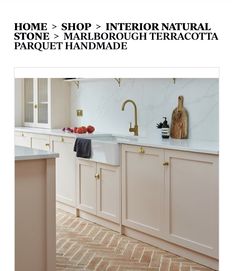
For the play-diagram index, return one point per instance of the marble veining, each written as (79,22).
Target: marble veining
(155,98)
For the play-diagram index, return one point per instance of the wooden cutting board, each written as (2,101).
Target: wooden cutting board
(179,120)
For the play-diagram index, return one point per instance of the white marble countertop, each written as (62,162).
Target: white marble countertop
(57,132)
(208,147)
(24,153)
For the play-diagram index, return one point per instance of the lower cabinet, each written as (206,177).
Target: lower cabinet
(143,188)
(65,169)
(191,201)
(23,139)
(172,195)
(98,188)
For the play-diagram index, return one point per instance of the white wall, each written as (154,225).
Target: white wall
(101,101)
(18,102)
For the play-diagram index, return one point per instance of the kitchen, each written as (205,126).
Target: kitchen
(163,192)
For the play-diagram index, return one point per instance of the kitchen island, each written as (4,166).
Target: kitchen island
(35,225)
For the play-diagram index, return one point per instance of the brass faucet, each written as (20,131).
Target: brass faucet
(135,128)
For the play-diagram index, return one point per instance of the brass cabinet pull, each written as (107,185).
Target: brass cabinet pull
(62,139)
(47,145)
(141,150)
(166,164)
(97,176)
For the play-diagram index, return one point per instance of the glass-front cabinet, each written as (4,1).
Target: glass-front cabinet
(46,102)
(37,102)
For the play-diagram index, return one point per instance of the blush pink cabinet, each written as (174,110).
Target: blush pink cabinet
(98,190)
(172,196)
(191,200)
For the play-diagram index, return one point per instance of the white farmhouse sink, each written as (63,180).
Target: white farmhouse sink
(106,149)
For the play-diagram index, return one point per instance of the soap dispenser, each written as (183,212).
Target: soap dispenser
(165,129)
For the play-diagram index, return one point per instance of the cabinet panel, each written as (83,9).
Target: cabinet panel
(65,169)
(192,200)
(23,139)
(29,100)
(43,93)
(40,142)
(86,186)
(142,188)
(108,192)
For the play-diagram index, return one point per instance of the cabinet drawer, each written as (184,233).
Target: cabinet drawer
(23,139)
(41,142)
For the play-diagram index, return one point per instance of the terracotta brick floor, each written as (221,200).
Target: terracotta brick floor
(82,245)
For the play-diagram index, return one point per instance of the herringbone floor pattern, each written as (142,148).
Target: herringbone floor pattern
(82,245)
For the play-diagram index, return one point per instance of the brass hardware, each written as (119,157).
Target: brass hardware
(47,145)
(79,112)
(141,150)
(166,164)
(118,81)
(22,134)
(62,139)
(174,80)
(135,128)
(35,106)
(97,176)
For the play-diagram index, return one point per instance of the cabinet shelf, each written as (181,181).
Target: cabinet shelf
(78,80)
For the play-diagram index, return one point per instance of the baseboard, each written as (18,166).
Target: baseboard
(95,219)
(178,250)
(66,208)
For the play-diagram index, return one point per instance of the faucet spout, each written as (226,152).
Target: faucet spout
(135,128)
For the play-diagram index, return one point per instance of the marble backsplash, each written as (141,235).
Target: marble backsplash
(101,101)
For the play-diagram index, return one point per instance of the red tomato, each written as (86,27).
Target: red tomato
(90,129)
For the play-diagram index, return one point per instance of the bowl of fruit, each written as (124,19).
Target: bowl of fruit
(79,130)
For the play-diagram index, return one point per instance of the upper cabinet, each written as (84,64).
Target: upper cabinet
(46,103)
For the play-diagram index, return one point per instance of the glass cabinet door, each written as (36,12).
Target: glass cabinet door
(42,100)
(28,100)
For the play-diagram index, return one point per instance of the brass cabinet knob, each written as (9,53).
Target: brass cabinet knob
(141,150)
(166,164)
(22,134)
(47,145)
(97,176)
(35,106)
(62,139)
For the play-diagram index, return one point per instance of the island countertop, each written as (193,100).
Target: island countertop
(24,153)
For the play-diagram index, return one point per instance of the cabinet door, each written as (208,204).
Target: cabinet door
(108,192)
(142,188)
(65,169)
(40,142)
(42,100)
(29,100)
(23,139)
(86,185)
(192,200)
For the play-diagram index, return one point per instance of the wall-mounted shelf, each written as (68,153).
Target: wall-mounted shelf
(78,80)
